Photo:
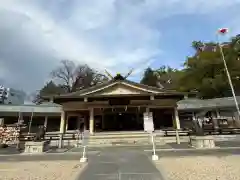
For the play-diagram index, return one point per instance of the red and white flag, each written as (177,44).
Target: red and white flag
(223,31)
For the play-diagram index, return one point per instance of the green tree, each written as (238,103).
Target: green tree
(197,45)
(163,77)
(49,89)
(168,77)
(206,73)
(149,77)
(203,71)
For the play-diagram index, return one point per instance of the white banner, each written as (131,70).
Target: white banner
(148,122)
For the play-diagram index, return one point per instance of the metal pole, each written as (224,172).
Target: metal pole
(154,149)
(229,77)
(154,156)
(84,152)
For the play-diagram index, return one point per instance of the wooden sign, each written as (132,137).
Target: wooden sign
(148,122)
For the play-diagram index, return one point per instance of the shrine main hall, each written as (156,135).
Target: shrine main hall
(117,105)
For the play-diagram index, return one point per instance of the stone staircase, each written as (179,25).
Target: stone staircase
(124,138)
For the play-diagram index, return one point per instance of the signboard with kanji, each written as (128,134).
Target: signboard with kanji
(148,122)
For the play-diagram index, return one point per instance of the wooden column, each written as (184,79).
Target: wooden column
(46,122)
(103,123)
(78,122)
(177,125)
(85,123)
(91,121)
(66,126)
(137,117)
(177,121)
(62,129)
(62,123)
(215,120)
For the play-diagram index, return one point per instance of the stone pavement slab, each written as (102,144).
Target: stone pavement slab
(224,144)
(120,164)
(195,152)
(182,145)
(112,148)
(9,150)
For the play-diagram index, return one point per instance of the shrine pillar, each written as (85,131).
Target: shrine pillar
(91,121)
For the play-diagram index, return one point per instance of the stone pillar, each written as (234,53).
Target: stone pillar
(91,121)
(177,125)
(78,122)
(46,122)
(62,123)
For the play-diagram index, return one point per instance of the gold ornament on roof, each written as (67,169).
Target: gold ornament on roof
(118,76)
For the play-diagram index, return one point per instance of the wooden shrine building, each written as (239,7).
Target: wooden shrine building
(118,105)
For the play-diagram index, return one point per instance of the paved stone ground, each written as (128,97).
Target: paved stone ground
(119,164)
(222,144)
(9,150)
(210,152)
(228,143)
(108,163)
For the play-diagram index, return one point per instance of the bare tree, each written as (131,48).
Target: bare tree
(73,77)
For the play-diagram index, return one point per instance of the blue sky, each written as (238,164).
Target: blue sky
(117,35)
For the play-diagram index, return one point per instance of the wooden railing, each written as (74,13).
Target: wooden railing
(167,133)
(50,136)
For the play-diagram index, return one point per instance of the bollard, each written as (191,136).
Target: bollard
(83,158)
(154,156)
(60,141)
(177,137)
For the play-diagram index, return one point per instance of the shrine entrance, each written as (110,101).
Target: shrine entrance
(119,119)
(122,121)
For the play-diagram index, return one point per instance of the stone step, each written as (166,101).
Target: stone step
(143,139)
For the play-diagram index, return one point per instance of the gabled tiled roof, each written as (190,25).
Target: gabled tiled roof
(226,102)
(112,82)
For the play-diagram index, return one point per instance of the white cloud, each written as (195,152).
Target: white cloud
(111,34)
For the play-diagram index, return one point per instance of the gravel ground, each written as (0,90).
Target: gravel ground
(199,168)
(41,170)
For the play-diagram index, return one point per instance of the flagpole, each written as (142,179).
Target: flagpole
(228,76)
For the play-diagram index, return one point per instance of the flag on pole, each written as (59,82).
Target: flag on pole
(223,31)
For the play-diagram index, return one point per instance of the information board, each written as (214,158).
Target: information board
(148,122)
